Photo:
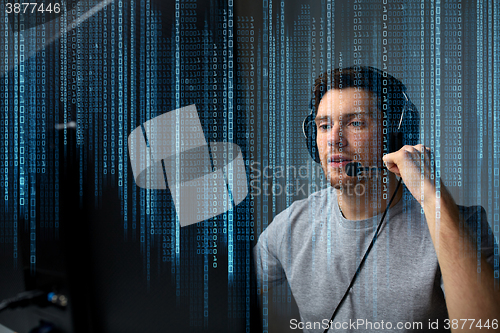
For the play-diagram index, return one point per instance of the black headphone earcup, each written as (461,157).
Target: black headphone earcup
(395,142)
(310,133)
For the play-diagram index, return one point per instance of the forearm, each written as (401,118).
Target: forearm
(469,294)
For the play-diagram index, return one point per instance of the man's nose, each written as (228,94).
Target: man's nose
(336,136)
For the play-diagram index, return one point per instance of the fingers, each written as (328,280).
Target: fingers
(422,149)
(421,156)
(391,164)
(392,167)
(418,155)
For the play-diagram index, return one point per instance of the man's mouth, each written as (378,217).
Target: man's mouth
(338,161)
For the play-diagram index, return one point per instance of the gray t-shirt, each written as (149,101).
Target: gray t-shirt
(317,250)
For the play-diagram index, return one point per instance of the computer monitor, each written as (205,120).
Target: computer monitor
(102,276)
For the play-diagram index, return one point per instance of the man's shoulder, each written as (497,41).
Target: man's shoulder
(476,218)
(471,211)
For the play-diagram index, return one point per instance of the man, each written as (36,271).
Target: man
(425,248)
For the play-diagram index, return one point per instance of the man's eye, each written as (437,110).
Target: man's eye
(357,123)
(324,127)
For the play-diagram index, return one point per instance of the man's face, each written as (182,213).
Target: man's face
(348,131)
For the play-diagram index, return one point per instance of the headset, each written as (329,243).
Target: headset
(395,143)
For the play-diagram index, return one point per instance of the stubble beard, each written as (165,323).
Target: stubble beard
(340,180)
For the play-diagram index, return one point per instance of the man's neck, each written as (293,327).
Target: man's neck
(360,207)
